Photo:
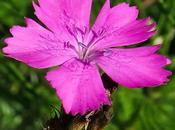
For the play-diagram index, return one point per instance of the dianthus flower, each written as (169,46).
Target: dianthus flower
(67,40)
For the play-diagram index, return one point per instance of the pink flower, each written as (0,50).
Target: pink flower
(68,41)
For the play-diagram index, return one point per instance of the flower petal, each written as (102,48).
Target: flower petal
(56,13)
(132,33)
(138,67)
(36,46)
(79,87)
(115,17)
(118,26)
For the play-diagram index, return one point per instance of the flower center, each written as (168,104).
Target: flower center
(82,47)
(85,41)
(82,51)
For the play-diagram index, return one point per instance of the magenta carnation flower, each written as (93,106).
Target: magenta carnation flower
(68,41)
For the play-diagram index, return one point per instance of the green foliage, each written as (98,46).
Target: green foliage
(26,100)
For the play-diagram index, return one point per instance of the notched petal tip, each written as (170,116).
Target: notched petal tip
(129,6)
(16,29)
(157,47)
(6,40)
(35,6)
(28,21)
(13,28)
(4,50)
(166,79)
(168,60)
(124,4)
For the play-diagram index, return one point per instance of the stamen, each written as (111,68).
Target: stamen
(82,45)
(93,38)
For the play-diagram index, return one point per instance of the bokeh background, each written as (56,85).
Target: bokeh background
(27,101)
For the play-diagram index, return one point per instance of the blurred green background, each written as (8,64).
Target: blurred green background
(26,100)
